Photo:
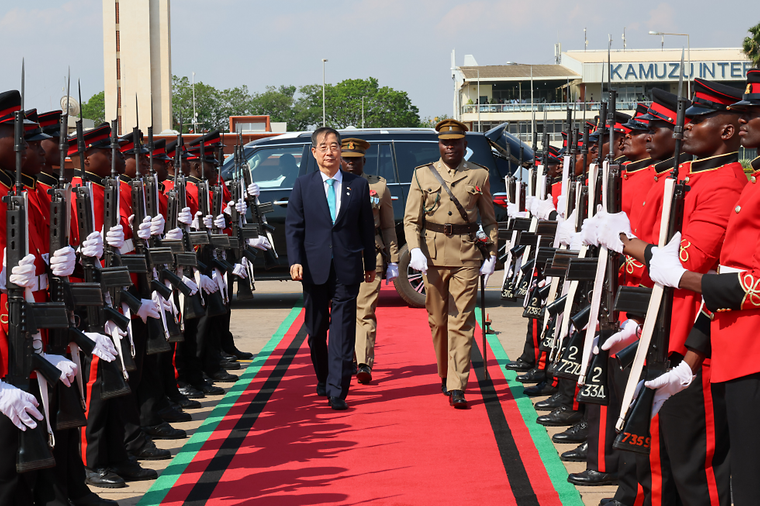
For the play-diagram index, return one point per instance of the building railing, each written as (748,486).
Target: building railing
(623,105)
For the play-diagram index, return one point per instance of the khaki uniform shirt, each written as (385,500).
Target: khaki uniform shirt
(382,211)
(428,201)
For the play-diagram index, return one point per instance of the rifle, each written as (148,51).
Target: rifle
(259,211)
(241,231)
(633,424)
(26,317)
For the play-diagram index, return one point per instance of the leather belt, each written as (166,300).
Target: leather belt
(450,229)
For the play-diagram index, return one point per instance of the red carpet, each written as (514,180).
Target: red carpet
(399,443)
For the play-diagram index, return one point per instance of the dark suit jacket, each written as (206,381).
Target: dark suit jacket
(313,240)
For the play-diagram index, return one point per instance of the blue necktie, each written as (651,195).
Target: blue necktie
(331,198)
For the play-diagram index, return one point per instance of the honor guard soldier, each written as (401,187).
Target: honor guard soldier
(446,198)
(353,152)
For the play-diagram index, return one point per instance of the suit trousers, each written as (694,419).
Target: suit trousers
(742,397)
(366,321)
(450,296)
(331,306)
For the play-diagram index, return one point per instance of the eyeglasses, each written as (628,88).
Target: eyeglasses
(325,149)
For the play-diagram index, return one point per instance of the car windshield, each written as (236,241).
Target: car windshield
(276,167)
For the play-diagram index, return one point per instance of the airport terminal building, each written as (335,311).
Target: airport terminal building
(488,95)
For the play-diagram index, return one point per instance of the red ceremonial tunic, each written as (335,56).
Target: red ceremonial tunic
(638,177)
(734,295)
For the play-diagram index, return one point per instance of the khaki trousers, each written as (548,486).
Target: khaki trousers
(451,293)
(366,321)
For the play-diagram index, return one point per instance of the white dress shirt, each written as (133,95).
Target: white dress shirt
(337,185)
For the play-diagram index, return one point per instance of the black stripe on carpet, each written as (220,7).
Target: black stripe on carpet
(203,489)
(510,455)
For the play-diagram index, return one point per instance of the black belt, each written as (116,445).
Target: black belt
(449,229)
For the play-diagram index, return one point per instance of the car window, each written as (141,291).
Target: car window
(413,154)
(380,162)
(276,167)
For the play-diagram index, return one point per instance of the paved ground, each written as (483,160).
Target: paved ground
(254,322)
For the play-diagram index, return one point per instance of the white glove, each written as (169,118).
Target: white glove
(610,227)
(104,348)
(148,309)
(665,266)
(115,237)
(157,225)
(590,231)
(418,261)
(261,242)
(253,190)
(220,222)
(489,266)
(240,207)
(174,234)
(391,273)
(513,211)
(208,285)
(185,216)
(143,231)
(530,203)
(576,242)
(561,205)
(63,261)
(23,274)
(669,384)
(208,221)
(543,208)
(18,405)
(625,336)
(566,229)
(92,246)
(190,284)
(67,367)
(240,271)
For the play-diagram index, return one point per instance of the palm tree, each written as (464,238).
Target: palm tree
(751,45)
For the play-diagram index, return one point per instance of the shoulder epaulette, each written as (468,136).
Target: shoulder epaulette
(713,162)
(7,179)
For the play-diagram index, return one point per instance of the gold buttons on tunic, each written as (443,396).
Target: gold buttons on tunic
(737,209)
(753,179)
(686,180)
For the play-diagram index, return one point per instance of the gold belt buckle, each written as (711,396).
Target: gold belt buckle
(448,229)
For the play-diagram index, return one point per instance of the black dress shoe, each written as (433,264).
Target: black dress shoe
(103,478)
(174,415)
(132,471)
(559,417)
(184,403)
(191,392)
(532,376)
(149,451)
(591,478)
(92,499)
(543,388)
(230,366)
(242,355)
(578,454)
(209,388)
(229,357)
(457,399)
(337,403)
(519,365)
(164,431)
(321,389)
(551,403)
(610,501)
(576,434)
(444,388)
(223,376)
(364,374)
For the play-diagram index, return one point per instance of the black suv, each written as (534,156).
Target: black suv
(276,162)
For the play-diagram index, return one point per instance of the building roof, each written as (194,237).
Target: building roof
(517,72)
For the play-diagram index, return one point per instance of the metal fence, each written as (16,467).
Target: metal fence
(622,105)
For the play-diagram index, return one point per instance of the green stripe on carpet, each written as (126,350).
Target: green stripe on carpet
(168,478)
(556,470)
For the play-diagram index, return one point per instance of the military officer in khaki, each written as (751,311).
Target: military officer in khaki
(441,235)
(353,152)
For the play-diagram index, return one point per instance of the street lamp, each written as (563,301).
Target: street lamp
(324,60)
(195,116)
(688,51)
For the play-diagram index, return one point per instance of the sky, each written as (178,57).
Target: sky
(405,44)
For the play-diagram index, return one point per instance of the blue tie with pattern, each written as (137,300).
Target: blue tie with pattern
(331,198)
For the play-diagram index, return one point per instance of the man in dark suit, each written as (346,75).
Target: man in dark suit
(331,249)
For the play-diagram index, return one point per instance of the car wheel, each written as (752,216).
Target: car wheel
(409,283)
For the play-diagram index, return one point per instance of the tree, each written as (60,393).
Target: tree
(383,107)
(431,122)
(213,107)
(751,45)
(95,108)
(280,104)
